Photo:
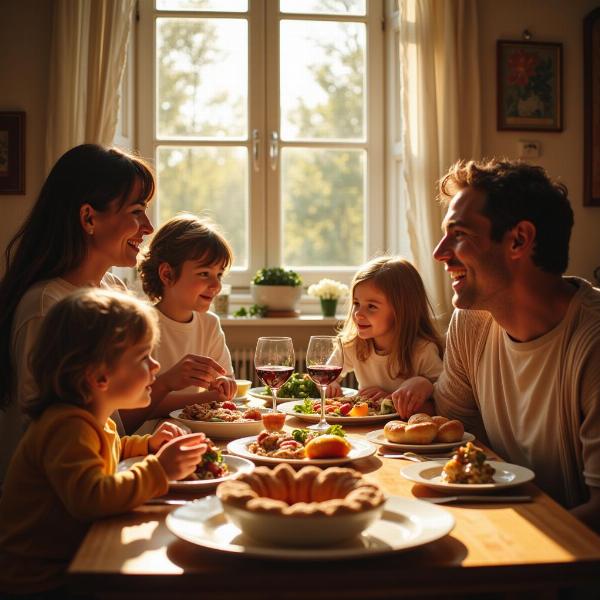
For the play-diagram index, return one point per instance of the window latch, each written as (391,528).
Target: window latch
(255,149)
(274,149)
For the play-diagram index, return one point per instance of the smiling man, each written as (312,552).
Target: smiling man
(523,346)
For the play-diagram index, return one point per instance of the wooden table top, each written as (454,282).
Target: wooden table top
(495,547)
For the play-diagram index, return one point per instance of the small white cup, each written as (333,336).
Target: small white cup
(243,385)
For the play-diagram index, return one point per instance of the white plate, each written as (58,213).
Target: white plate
(405,524)
(235,463)
(259,392)
(288,409)
(430,474)
(360,449)
(377,437)
(221,430)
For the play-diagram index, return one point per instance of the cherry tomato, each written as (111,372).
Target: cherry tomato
(229,405)
(345,408)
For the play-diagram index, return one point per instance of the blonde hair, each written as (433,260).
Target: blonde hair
(184,237)
(403,288)
(89,328)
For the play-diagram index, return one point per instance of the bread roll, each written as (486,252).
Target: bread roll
(410,433)
(451,431)
(420,418)
(439,420)
(394,431)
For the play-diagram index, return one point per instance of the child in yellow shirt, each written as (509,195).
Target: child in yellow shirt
(92,357)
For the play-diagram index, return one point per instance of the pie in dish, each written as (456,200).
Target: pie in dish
(306,493)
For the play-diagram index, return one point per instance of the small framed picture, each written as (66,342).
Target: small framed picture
(529,86)
(12,152)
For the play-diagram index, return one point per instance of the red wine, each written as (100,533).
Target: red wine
(324,374)
(274,376)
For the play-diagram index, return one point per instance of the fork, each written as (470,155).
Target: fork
(417,457)
(477,499)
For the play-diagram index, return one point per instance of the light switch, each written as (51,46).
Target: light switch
(528,149)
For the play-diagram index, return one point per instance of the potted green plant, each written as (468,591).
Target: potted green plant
(276,288)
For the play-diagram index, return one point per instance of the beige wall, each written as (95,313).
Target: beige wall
(562,153)
(24,49)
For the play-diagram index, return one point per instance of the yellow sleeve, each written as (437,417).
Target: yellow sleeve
(75,458)
(134,445)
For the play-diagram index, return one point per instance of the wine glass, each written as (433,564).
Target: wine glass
(274,362)
(324,363)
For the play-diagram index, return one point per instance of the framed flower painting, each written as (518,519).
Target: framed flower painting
(529,86)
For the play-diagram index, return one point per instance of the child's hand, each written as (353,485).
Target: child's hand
(225,386)
(180,456)
(373,393)
(192,369)
(165,433)
(334,390)
(411,395)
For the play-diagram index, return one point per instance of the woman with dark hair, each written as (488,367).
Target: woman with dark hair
(90,216)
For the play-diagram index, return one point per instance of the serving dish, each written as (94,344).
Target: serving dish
(221,429)
(404,524)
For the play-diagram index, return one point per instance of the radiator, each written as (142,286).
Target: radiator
(242,360)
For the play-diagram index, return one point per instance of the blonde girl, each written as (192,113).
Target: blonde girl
(181,272)
(389,338)
(92,357)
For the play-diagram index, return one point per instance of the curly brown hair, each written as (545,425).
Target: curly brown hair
(89,328)
(184,237)
(516,191)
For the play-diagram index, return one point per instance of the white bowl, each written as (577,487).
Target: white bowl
(222,430)
(301,531)
(276,297)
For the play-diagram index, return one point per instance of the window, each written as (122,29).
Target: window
(267,116)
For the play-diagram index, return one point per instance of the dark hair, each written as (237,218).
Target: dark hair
(184,237)
(89,328)
(403,287)
(516,191)
(52,241)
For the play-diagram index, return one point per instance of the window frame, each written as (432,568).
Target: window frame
(264,211)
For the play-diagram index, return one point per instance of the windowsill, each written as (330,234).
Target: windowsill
(301,321)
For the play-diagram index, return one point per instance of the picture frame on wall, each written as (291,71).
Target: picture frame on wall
(12,152)
(591,109)
(529,77)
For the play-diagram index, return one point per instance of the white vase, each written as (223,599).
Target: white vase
(276,297)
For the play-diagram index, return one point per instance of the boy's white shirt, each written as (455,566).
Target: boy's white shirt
(202,335)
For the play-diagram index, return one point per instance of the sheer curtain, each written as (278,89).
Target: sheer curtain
(440,122)
(89,44)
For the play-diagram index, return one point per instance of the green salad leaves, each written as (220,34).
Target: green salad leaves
(297,386)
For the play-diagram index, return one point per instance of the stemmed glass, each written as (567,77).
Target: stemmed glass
(324,363)
(274,362)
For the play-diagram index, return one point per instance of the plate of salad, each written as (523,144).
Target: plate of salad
(298,387)
(346,410)
(214,468)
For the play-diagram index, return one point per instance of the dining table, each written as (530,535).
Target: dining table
(502,549)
